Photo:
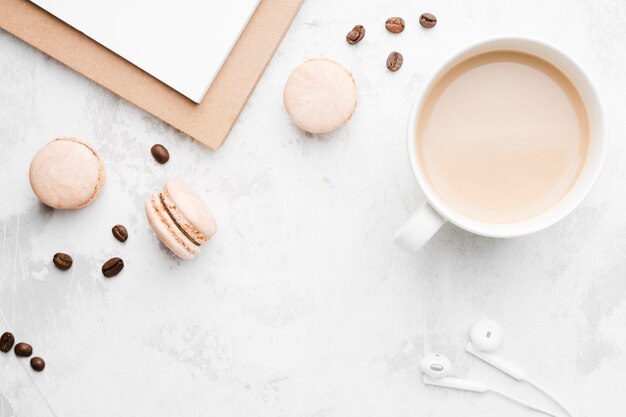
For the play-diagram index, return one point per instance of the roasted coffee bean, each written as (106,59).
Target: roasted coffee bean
(356,35)
(62,261)
(394,61)
(6,342)
(395,24)
(37,364)
(112,267)
(23,349)
(428,20)
(160,153)
(120,232)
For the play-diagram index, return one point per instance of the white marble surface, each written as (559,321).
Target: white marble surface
(301,306)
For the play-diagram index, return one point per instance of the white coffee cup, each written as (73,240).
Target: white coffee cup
(434,212)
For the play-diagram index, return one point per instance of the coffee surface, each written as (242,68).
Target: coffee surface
(502,136)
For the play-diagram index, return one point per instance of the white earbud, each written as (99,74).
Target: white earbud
(485,338)
(437,368)
(486,335)
(435,365)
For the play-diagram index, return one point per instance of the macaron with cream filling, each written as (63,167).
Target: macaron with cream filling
(180,219)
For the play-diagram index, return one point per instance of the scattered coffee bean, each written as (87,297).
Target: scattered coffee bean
(112,267)
(37,364)
(62,261)
(120,232)
(356,35)
(23,349)
(6,342)
(160,153)
(394,61)
(428,20)
(395,24)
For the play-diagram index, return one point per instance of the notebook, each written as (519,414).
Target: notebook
(182,43)
(208,122)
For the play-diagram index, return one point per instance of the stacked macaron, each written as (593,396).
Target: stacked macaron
(180,219)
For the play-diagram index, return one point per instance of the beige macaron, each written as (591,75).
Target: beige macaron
(67,173)
(180,219)
(320,95)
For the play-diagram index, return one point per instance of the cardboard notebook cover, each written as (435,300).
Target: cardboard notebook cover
(210,121)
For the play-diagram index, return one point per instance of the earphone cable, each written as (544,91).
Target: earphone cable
(522,403)
(547,394)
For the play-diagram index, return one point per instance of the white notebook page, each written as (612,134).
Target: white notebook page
(183,43)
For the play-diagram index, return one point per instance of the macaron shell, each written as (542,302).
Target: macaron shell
(320,95)
(166,230)
(67,173)
(189,210)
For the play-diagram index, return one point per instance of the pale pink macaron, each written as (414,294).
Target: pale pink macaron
(67,173)
(180,219)
(320,95)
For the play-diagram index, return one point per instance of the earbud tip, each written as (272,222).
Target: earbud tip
(486,335)
(436,365)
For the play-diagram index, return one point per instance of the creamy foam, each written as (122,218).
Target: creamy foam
(502,136)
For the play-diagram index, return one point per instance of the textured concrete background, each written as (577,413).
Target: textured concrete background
(301,306)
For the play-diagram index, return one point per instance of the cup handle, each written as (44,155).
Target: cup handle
(420,227)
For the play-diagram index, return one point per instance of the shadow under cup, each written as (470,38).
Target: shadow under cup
(435,211)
